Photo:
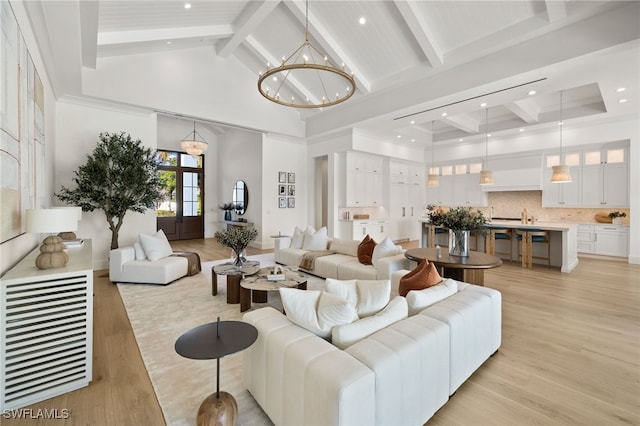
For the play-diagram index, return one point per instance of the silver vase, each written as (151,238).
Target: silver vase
(459,242)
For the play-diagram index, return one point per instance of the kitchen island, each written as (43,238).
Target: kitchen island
(563,239)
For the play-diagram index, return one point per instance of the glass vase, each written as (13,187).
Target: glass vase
(459,242)
(227,215)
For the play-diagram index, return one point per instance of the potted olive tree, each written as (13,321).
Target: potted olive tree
(119,176)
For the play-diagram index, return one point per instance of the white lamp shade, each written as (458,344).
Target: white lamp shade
(73,209)
(40,221)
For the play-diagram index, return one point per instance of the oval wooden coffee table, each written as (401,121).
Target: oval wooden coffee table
(469,269)
(259,285)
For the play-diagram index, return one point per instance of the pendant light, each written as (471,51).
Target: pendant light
(432,179)
(561,171)
(486,176)
(192,145)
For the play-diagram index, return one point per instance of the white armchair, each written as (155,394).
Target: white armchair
(124,268)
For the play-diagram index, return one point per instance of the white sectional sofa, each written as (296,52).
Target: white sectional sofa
(124,268)
(400,375)
(343,264)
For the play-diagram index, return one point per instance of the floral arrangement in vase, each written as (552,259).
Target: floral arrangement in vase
(458,218)
(460,221)
(616,217)
(237,238)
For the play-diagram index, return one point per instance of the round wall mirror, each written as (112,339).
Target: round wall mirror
(240,197)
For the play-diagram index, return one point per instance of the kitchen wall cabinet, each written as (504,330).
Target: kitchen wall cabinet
(458,185)
(562,194)
(365,180)
(605,178)
(601,239)
(600,178)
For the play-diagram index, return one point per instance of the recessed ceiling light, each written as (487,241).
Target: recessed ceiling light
(412,122)
(187,5)
(522,130)
(460,140)
(398,136)
(621,101)
(444,114)
(620,89)
(168,42)
(488,134)
(532,92)
(362,20)
(484,104)
(413,140)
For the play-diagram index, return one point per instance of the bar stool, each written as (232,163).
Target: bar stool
(503,234)
(437,231)
(527,237)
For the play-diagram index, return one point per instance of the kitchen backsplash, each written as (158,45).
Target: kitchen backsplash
(510,204)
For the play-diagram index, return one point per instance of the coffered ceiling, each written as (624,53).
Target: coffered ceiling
(414,61)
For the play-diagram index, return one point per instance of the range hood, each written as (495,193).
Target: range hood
(521,173)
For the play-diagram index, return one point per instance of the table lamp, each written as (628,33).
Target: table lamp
(51,221)
(70,235)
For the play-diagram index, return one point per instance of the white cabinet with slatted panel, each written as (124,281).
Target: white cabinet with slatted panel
(46,330)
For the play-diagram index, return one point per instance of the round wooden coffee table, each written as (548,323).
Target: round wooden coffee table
(469,269)
(256,287)
(234,275)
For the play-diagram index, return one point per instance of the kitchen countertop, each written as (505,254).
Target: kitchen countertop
(547,226)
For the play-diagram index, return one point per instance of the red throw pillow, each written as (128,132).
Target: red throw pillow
(423,276)
(365,250)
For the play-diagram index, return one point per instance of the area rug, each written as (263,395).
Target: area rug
(160,314)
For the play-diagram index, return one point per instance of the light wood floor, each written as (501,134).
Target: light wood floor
(570,353)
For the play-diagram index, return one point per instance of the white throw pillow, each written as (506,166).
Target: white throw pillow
(297,238)
(346,335)
(137,247)
(155,246)
(383,249)
(316,241)
(368,297)
(420,299)
(316,311)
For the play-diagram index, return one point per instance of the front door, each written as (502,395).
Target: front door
(180,214)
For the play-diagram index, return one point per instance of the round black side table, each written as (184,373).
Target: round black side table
(217,340)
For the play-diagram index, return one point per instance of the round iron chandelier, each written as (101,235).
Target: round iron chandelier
(309,70)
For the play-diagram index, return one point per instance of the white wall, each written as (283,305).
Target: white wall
(78,125)
(240,158)
(282,154)
(194,82)
(12,251)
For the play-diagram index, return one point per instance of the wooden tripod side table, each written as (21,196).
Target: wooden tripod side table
(217,340)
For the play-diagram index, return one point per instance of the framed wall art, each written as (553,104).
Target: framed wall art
(282,190)
(291,178)
(291,202)
(291,191)
(282,177)
(282,202)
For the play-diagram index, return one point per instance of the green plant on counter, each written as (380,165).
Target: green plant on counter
(617,214)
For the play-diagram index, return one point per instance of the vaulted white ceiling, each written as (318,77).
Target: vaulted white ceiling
(413,60)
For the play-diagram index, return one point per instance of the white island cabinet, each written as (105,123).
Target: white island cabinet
(563,236)
(46,330)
